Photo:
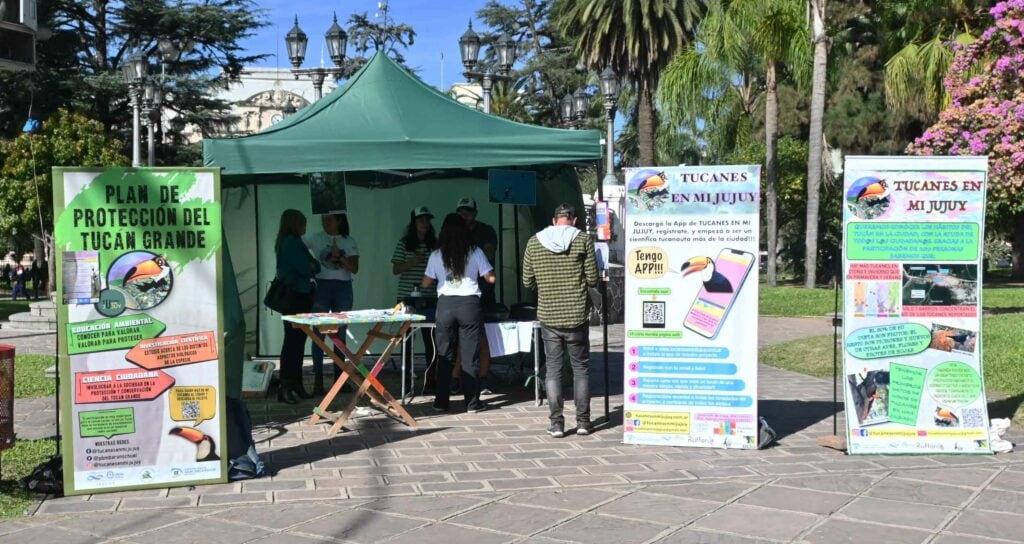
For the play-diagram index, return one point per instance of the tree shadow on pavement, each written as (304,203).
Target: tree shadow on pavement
(789,417)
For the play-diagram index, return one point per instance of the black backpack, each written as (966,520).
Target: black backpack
(47,478)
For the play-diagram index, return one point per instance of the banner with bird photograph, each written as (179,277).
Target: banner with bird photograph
(912,272)
(691,306)
(138,260)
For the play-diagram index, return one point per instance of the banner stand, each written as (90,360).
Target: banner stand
(913,240)
(835,441)
(690,371)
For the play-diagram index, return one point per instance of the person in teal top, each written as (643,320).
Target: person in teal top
(296,268)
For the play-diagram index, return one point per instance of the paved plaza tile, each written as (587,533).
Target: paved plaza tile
(498,477)
(908,514)
(595,529)
(835,531)
(796,500)
(756,521)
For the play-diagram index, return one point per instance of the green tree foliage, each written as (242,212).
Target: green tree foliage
(368,36)
(917,37)
(743,49)
(67,139)
(637,38)
(26,162)
(545,67)
(792,165)
(79,67)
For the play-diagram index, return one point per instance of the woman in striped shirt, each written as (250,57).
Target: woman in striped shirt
(409,262)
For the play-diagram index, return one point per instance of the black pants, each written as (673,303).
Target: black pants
(577,341)
(430,376)
(459,322)
(293,349)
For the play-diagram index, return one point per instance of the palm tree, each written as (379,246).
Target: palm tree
(816,141)
(742,47)
(918,36)
(637,38)
(507,101)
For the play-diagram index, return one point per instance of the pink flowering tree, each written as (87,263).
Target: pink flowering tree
(986,117)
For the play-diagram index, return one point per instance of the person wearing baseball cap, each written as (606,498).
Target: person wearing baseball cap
(561,266)
(409,262)
(486,238)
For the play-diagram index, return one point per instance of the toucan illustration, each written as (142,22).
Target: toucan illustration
(653,184)
(714,281)
(206,449)
(873,191)
(148,274)
(944,417)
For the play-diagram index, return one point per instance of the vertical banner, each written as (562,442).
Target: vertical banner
(912,265)
(691,306)
(140,326)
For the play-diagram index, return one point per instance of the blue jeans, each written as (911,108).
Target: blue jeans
(331,296)
(19,287)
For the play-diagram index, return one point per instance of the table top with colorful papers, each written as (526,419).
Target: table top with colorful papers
(352,317)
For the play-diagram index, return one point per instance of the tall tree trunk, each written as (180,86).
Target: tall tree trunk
(100,65)
(645,124)
(816,138)
(1018,246)
(771,173)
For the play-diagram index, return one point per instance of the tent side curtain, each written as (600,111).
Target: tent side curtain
(386,118)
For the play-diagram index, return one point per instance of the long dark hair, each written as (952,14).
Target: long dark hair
(455,244)
(412,241)
(343,228)
(291,224)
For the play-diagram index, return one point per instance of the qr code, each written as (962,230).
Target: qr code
(972,418)
(190,410)
(654,314)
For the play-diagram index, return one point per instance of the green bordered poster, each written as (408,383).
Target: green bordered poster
(912,263)
(138,260)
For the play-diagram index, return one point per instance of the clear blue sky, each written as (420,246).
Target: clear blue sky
(438,25)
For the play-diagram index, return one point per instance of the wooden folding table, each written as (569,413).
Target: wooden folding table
(351,366)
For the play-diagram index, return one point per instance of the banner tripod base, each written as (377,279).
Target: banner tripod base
(834,441)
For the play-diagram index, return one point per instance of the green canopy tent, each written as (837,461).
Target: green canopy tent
(385,118)
(397,143)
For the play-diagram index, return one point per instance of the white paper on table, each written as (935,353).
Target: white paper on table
(509,338)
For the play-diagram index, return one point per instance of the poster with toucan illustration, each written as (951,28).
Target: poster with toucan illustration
(912,286)
(140,323)
(692,248)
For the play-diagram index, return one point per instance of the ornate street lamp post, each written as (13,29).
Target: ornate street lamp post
(580,105)
(610,90)
(567,111)
(296,42)
(153,97)
(469,50)
(134,70)
(609,86)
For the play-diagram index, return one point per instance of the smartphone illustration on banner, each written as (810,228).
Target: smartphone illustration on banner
(725,276)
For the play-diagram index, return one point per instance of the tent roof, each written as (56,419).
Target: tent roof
(386,118)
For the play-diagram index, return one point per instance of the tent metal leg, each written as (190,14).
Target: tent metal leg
(519,284)
(501,255)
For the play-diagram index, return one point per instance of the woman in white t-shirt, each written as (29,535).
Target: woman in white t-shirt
(456,266)
(338,255)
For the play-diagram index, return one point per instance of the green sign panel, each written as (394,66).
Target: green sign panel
(111,334)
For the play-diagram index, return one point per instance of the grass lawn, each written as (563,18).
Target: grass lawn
(30,378)
(17,462)
(1004,298)
(8,307)
(1003,350)
(797,301)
